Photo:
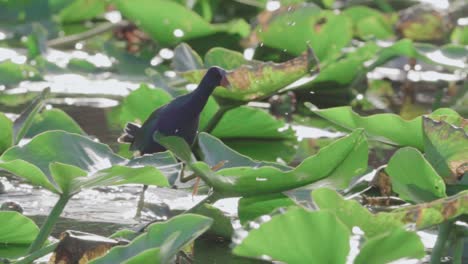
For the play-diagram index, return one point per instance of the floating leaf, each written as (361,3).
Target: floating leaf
(298,236)
(391,246)
(351,213)
(139,104)
(17,232)
(389,128)
(422,215)
(80,10)
(251,208)
(6,137)
(227,59)
(214,152)
(53,119)
(291,28)
(413,178)
(53,155)
(260,79)
(12,73)
(169,22)
(369,22)
(446,148)
(251,181)
(221,222)
(161,242)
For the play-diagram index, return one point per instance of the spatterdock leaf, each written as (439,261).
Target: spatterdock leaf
(64,163)
(391,246)
(388,128)
(292,28)
(6,137)
(17,232)
(251,181)
(257,80)
(298,236)
(251,208)
(53,119)
(413,178)
(160,243)
(352,214)
(446,147)
(169,22)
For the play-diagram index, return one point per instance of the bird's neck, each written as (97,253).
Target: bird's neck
(200,96)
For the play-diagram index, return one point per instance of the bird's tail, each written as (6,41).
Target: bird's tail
(129,133)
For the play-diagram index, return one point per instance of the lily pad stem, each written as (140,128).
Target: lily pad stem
(49,223)
(438,250)
(458,250)
(37,254)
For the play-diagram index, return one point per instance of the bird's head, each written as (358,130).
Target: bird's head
(217,76)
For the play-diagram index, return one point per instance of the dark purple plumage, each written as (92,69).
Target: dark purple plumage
(180,117)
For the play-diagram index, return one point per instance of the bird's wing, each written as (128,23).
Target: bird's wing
(144,133)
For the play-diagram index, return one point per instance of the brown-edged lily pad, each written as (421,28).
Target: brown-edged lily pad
(446,146)
(253,80)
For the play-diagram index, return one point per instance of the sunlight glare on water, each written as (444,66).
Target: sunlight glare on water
(273,5)
(438,56)
(166,53)
(441,4)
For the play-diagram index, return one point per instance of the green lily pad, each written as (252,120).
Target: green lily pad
(292,28)
(251,208)
(252,80)
(139,104)
(227,59)
(331,162)
(17,232)
(169,22)
(80,10)
(369,22)
(12,73)
(351,213)
(422,215)
(161,242)
(413,178)
(6,137)
(389,128)
(53,119)
(53,155)
(391,246)
(446,147)
(298,236)
(221,226)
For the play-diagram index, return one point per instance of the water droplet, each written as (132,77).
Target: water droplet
(359,97)
(178,33)
(261,179)
(261,44)
(249,53)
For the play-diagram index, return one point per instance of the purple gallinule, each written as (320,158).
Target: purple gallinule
(179,117)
